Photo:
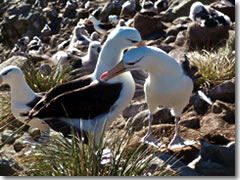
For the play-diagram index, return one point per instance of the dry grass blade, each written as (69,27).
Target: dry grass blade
(215,66)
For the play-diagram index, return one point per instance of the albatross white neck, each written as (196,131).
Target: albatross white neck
(108,58)
(20,90)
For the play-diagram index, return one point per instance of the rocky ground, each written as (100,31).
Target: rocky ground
(212,127)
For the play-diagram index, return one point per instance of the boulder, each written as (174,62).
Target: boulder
(6,169)
(133,109)
(212,35)
(181,38)
(225,7)
(19,61)
(224,92)
(18,145)
(169,39)
(7,134)
(179,8)
(21,20)
(215,160)
(35,133)
(177,165)
(224,110)
(148,25)
(141,119)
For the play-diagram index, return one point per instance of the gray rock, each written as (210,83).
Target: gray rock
(35,133)
(8,166)
(7,134)
(19,61)
(226,8)
(147,25)
(6,169)
(181,38)
(215,160)
(141,119)
(224,92)
(169,39)
(177,165)
(179,8)
(193,122)
(224,110)
(70,10)
(199,105)
(20,20)
(18,145)
(128,9)
(212,35)
(133,109)
(112,7)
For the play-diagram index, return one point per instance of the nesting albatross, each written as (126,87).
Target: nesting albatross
(23,98)
(166,85)
(87,103)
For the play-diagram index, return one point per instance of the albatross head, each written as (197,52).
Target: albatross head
(133,59)
(197,8)
(10,74)
(95,47)
(125,37)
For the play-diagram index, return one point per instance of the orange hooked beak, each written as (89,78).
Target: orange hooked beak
(118,69)
(141,44)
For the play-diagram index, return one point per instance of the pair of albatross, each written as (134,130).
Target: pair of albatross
(166,85)
(87,104)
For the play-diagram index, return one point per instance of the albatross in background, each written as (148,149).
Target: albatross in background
(23,98)
(208,16)
(100,27)
(166,85)
(88,104)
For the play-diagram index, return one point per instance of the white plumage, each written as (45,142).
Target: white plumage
(22,96)
(166,85)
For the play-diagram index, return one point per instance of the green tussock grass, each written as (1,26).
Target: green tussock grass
(5,110)
(63,157)
(215,65)
(42,83)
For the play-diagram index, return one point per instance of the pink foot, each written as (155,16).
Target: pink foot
(149,139)
(179,142)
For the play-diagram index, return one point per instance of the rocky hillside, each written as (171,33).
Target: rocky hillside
(207,55)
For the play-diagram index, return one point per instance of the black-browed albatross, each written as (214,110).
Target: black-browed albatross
(166,85)
(23,98)
(87,103)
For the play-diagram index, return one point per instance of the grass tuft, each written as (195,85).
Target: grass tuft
(41,83)
(64,157)
(215,66)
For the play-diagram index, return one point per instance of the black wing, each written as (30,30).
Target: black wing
(60,89)
(85,103)
(106,26)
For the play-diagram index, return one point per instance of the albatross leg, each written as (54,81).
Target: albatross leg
(178,141)
(45,134)
(148,138)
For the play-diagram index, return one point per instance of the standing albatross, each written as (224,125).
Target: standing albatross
(166,85)
(23,98)
(87,103)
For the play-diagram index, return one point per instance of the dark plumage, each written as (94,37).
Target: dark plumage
(78,99)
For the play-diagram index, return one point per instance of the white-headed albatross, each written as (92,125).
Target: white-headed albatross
(87,103)
(100,27)
(166,85)
(23,98)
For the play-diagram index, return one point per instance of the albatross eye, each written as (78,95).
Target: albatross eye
(5,73)
(132,41)
(132,63)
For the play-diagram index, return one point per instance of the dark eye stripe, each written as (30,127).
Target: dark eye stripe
(132,63)
(5,73)
(133,41)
